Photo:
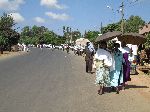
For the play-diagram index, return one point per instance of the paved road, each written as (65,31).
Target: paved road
(54,81)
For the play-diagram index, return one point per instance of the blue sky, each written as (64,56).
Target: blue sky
(78,14)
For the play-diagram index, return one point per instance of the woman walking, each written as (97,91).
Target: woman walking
(126,64)
(116,76)
(103,62)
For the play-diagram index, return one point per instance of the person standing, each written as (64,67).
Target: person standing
(88,59)
(116,76)
(103,63)
(67,49)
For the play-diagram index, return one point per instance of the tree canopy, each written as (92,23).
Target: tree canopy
(130,25)
(133,24)
(91,35)
(8,35)
(39,35)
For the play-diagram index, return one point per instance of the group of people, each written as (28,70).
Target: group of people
(112,66)
(23,47)
(79,50)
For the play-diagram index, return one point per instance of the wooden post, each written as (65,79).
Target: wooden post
(122,16)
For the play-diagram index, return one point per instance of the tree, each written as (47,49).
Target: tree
(133,24)
(67,34)
(6,28)
(92,35)
(48,37)
(33,35)
(26,31)
(76,35)
(38,35)
(2,43)
(112,27)
(147,44)
(6,22)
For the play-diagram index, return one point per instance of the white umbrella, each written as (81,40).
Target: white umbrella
(82,41)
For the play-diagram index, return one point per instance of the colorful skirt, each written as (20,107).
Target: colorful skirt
(102,74)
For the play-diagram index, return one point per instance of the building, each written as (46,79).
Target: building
(145,29)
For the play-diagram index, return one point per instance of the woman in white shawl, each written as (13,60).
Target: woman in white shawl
(103,63)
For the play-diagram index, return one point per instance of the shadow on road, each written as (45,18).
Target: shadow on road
(109,90)
(135,86)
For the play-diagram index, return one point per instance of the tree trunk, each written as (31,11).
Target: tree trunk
(9,47)
(1,49)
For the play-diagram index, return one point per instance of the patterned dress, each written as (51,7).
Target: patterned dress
(103,62)
(102,74)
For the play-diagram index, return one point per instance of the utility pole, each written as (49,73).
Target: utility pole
(122,16)
(101,28)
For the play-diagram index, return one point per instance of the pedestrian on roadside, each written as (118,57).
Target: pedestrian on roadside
(88,58)
(103,60)
(41,47)
(116,75)
(126,64)
(63,48)
(75,49)
(67,49)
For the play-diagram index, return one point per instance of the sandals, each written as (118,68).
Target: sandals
(117,90)
(100,92)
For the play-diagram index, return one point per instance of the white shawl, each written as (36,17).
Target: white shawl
(102,54)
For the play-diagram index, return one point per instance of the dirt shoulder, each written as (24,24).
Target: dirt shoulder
(141,83)
(8,54)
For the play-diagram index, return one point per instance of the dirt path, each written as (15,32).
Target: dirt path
(143,82)
(7,54)
(136,97)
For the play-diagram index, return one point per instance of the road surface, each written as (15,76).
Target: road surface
(54,81)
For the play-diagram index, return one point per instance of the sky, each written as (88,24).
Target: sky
(77,14)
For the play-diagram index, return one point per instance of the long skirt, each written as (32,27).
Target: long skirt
(116,78)
(89,65)
(126,68)
(102,75)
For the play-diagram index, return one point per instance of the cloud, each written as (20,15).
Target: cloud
(39,20)
(17,17)
(55,16)
(11,5)
(52,4)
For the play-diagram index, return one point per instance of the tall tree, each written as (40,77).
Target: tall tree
(76,35)
(48,37)
(91,35)
(111,27)
(6,28)
(26,31)
(133,23)
(2,43)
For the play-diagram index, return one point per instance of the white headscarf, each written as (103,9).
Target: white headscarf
(102,54)
(91,47)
